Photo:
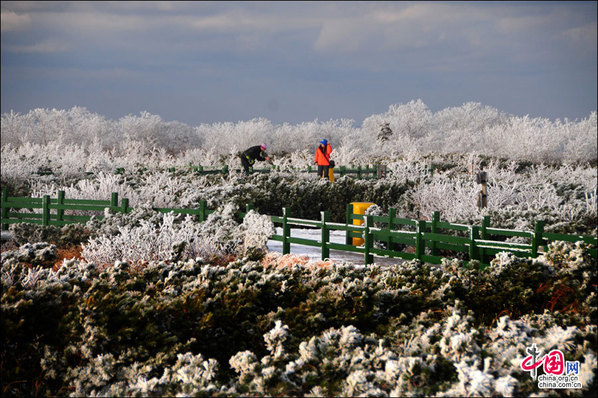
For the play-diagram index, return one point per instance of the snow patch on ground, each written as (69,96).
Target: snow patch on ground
(314,253)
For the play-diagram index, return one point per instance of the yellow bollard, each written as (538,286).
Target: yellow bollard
(331,174)
(359,208)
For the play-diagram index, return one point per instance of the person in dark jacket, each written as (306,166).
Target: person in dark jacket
(250,155)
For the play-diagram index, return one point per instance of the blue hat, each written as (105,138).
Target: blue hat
(324,142)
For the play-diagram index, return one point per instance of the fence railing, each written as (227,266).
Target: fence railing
(360,172)
(365,172)
(428,241)
(387,235)
(61,211)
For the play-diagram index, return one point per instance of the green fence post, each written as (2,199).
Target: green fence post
(286,231)
(367,237)
(202,211)
(114,201)
(434,229)
(420,244)
(537,239)
(248,207)
(124,208)
(375,172)
(348,220)
(4,207)
(474,233)
(60,212)
(484,235)
(325,235)
(392,214)
(359,172)
(46,210)
(225,169)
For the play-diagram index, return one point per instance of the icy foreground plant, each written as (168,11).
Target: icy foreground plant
(303,329)
(165,238)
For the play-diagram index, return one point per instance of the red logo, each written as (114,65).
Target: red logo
(554,362)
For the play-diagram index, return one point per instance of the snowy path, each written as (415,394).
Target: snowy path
(314,253)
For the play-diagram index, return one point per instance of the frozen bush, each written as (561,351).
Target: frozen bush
(198,327)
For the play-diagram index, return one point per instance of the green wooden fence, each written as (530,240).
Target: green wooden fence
(428,241)
(387,236)
(360,172)
(56,211)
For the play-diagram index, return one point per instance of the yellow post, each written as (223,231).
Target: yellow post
(331,174)
(359,208)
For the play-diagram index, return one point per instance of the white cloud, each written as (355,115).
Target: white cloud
(219,22)
(11,21)
(100,75)
(92,22)
(399,26)
(523,24)
(584,36)
(241,20)
(46,46)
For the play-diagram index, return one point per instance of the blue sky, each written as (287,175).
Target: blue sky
(206,62)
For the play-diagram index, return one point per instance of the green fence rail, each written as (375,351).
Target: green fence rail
(386,236)
(365,172)
(61,211)
(428,241)
(360,172)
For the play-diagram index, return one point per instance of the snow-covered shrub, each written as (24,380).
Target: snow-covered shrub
(71,234)
(255,328)
(20,163)
(257,230)
(31,253)
(167,240)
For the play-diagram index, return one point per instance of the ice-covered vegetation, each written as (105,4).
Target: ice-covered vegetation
(533,165)
(284,326)
(471,128)
(518,192)
(153,304)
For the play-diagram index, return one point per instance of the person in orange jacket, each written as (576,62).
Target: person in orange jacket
(323,158)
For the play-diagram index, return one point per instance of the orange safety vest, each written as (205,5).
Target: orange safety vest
(321,158)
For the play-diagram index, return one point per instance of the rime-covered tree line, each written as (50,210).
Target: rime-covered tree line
(415,129)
